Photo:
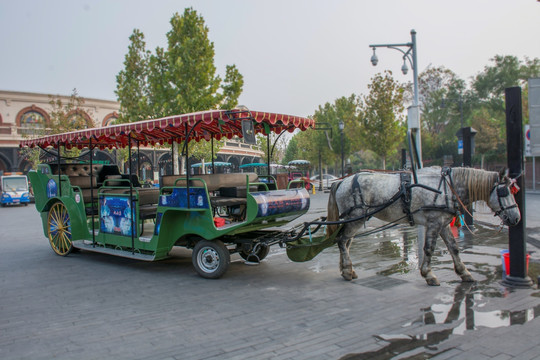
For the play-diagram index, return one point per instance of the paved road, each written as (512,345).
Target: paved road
(92,306)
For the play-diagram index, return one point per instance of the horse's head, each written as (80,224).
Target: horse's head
(502,202)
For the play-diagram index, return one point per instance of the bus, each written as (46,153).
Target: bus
(14,189)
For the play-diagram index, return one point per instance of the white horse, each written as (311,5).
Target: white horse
(437,197)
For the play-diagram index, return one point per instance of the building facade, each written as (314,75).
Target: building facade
(23,113)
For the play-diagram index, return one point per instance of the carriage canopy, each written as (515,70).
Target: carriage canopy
(196,126)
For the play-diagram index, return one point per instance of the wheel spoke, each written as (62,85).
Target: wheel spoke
(56,239)
(55,216)
(60,229)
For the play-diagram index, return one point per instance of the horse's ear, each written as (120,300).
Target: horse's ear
(504,175)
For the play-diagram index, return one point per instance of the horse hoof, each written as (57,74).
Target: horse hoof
(354,276)
(433,282)
(347,277)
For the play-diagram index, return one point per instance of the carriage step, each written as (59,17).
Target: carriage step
(89,246)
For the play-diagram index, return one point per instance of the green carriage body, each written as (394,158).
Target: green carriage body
(215,215)
(176,222)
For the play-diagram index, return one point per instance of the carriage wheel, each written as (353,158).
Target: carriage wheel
(59,230)
(211,259)
(261,253)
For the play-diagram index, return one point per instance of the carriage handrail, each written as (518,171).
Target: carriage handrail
(299,181)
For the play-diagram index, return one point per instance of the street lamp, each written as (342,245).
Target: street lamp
(341,127)
(410,56)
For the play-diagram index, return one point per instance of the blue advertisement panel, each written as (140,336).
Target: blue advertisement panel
(52,189)
(281,201)
(115,215)
(178,198)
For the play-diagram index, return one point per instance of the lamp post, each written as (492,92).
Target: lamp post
(341,127)
(410,56)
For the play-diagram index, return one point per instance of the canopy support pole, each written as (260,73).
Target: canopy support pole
(186,152)
(131,197)
(92,191)
(212,151)
(174,157)
(268,151)
(139,159)
(59,172)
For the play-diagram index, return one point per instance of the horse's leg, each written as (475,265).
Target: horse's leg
(353,273)
(453,248)
(345,263)
(429,247)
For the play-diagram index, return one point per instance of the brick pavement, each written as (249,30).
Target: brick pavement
(93,306)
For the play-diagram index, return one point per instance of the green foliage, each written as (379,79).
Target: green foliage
(381,116)
(277,146)
(374,126)
(329,142)
(68,116)
(291,151)
(190,59)
(132,83)
(176,80)
(506,71)
(63,117)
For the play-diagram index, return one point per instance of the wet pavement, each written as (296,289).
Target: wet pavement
(94,306)
(391,258)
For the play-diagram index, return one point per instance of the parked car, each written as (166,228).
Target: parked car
(328,180)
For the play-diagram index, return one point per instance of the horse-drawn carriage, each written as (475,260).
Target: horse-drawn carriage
(97,208)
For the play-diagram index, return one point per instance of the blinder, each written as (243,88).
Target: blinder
(502,191)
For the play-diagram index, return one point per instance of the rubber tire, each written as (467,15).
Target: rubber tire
(211,259)
(59,229)
(261,254)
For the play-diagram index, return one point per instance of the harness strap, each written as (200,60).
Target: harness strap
(406,196)
(356,189)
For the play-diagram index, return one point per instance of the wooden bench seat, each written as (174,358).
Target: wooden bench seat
(79,178)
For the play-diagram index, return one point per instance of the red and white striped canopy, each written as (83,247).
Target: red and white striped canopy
(199,125)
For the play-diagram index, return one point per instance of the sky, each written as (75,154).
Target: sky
(295,55)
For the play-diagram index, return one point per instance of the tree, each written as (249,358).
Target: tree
(278,146)
(489,141)
(132,87)
(202,149)
(329,142)
(179,79)
(63,117)
(487,97)
(439,122)
(291,151)
(381,116)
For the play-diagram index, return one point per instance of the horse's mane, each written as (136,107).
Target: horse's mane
(477,183)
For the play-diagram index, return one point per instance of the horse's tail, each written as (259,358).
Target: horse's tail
(333,211)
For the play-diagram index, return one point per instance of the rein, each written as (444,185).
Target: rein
(447,172)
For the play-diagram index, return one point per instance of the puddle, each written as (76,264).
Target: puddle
(467,309)
(453,316)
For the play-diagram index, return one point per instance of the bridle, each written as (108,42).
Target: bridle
(502,192)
